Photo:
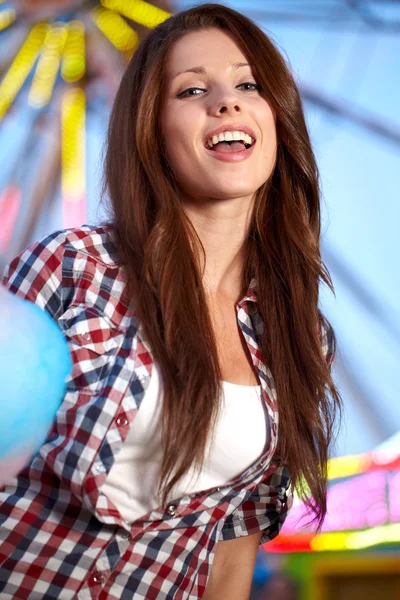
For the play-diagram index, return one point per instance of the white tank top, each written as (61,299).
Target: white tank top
(241,436)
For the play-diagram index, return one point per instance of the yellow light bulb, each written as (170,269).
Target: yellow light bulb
(73,119)
(21,67)
(7,17)
(115,28)
(73,61)
(48,65)
(139,11)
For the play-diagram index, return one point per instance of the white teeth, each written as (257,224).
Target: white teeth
(230,136)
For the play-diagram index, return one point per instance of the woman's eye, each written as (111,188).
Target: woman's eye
(190,92)
(249,86)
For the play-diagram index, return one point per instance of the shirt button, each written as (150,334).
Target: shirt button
(86,337)
(122,421)
(171,509)
(141,378)
(96,579)
(100,468)
(125,535)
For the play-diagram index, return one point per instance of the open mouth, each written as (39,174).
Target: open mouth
(228,142)
(227,147)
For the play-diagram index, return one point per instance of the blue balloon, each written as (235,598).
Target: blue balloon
(34,365)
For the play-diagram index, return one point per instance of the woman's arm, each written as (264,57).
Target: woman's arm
(232,570)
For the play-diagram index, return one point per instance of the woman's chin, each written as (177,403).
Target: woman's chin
(219,189)
(231,192)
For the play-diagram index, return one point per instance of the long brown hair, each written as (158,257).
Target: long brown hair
(162,258)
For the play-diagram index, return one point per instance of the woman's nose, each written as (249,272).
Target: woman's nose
(227,108)
(225,104)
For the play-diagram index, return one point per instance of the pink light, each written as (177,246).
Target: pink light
(357,503)
(10,203)
(362,502)
(296,521)
(394,496)
(74,211)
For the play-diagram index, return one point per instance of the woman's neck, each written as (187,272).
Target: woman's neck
(223,228)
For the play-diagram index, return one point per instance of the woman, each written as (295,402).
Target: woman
(193,319)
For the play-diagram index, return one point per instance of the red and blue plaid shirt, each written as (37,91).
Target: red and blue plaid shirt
(60,537)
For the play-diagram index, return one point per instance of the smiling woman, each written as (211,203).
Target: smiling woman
(211,100)
(193,322)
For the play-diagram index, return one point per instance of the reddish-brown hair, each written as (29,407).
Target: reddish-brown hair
(161,255)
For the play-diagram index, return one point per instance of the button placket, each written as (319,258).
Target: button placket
(122,421)
(96,578)
(125,535)
(171,510)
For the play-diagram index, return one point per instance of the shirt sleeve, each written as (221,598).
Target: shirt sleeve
(36,274)
(265,510)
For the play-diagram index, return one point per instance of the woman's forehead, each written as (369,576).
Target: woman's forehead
(207,50)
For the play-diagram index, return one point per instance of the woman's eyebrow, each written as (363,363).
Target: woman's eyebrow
(201,70)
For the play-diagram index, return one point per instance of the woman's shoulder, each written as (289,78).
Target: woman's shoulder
(91,240)
(63,265)
(49,253)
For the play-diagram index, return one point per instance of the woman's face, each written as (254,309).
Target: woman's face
(212,107)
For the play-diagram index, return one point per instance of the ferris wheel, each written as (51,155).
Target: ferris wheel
(57,61)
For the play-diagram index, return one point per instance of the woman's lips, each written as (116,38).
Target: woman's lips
(231,156)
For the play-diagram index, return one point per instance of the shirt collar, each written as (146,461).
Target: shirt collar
(251,294)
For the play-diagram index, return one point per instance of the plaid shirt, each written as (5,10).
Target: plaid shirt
(60,537)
